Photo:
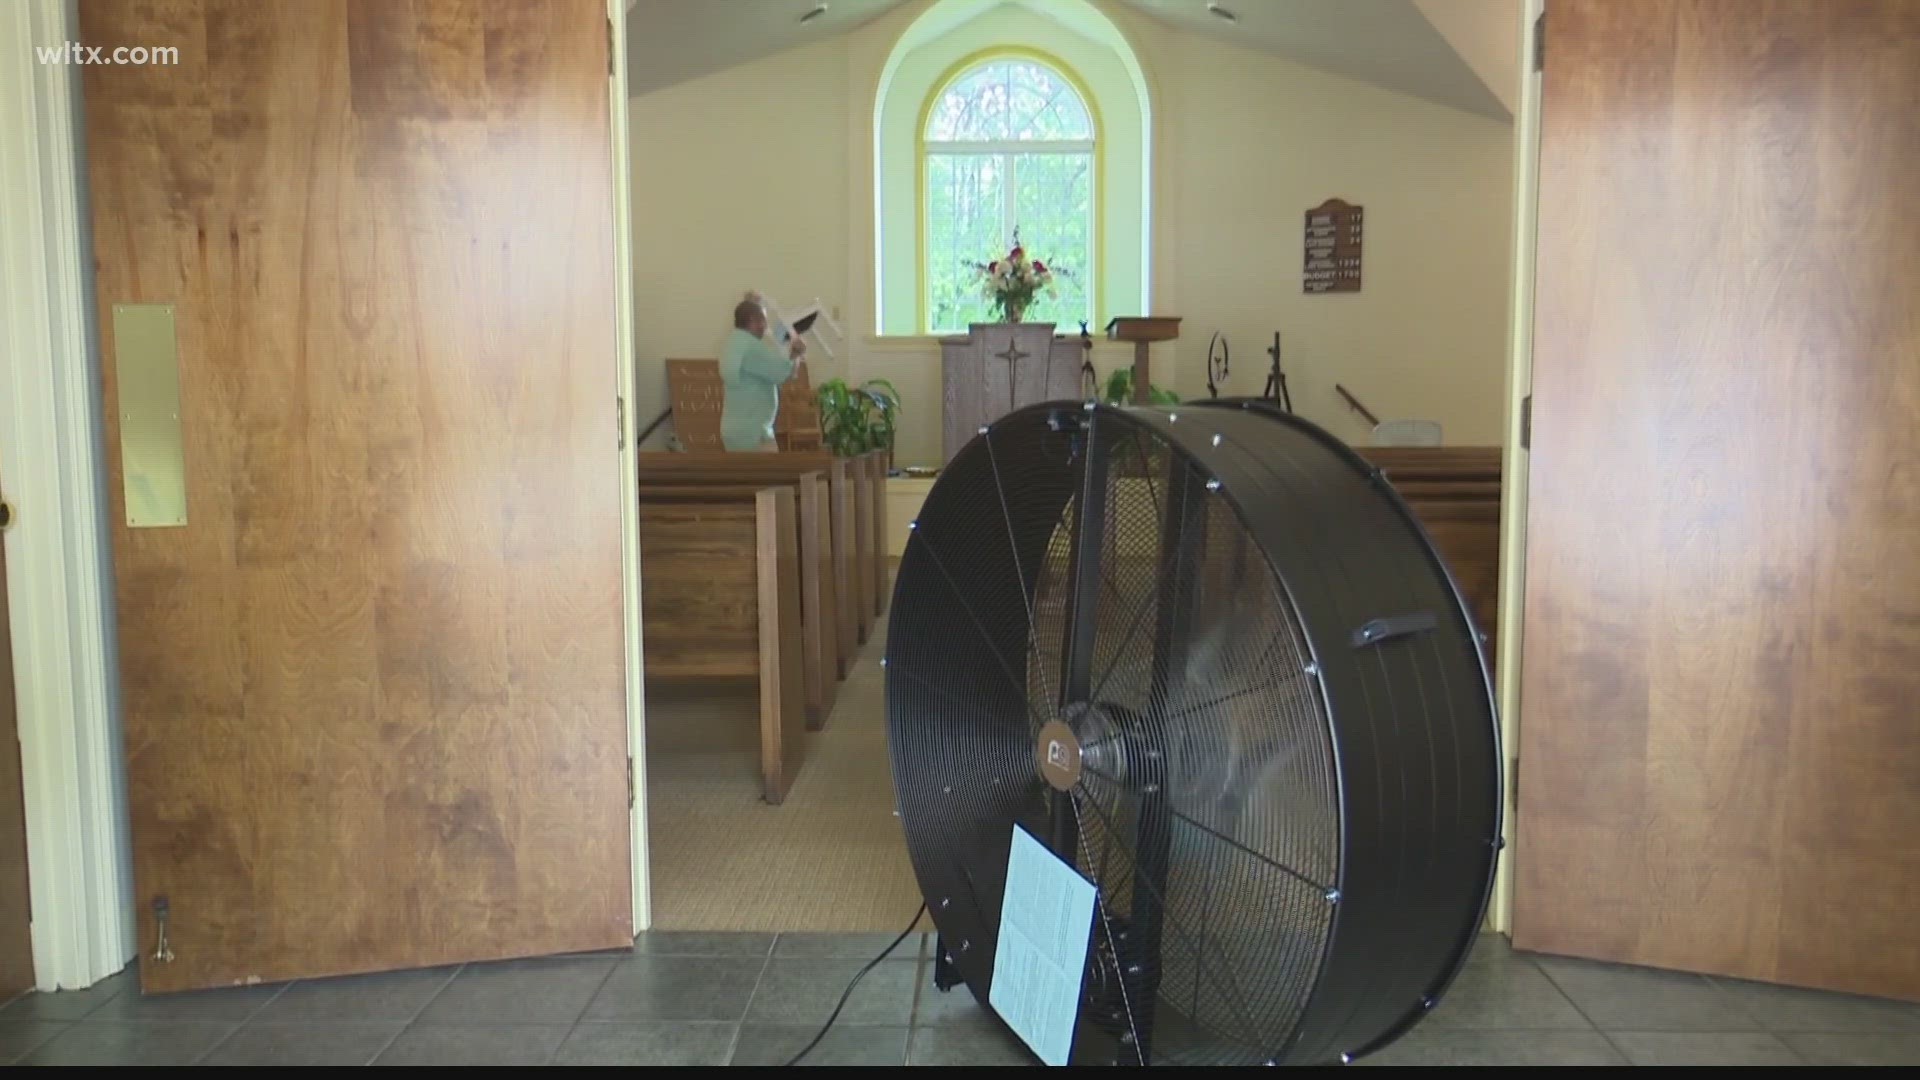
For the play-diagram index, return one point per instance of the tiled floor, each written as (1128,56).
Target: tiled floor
(754,999)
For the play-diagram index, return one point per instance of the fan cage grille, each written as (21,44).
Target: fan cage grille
(1219,768)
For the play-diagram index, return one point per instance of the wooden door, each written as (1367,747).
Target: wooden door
(1720,749)
(374,685)
(16,940)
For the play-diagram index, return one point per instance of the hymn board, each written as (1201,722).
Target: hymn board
(1333,247)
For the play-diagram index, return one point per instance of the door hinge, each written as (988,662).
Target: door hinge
(1540,42)
(630,798)
(6,515)
(1526,422)
(620,418)
(609,46)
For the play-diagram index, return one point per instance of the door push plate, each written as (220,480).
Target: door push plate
(153,468)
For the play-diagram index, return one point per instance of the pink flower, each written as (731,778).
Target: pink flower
(1039,267)
(993,267)
(1017,254)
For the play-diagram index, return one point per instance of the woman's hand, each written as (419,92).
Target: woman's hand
(797,348)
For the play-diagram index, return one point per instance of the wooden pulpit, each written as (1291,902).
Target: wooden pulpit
(1143,331)
(999,367)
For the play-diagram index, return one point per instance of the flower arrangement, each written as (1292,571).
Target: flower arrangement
(1012,283)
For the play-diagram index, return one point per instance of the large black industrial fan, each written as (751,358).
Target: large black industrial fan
(1209,659)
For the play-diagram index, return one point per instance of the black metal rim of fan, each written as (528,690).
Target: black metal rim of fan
(1281,765)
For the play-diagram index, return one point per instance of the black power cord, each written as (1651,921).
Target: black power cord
(848,995)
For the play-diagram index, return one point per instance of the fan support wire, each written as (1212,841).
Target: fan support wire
(847,995)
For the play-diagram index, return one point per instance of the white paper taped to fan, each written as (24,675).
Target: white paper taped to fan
(1046,923)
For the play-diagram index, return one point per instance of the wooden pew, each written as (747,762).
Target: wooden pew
(797,424)
(852,529)
(1455,492)
(698,394)
(721,599)
(877,500)
(819,620)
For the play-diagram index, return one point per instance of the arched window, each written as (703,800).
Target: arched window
(1008,143)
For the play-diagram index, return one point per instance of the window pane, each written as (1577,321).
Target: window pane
(974,108)
(1009,99)
(1054,202)
(1043,105)
(966,208)
(966,202)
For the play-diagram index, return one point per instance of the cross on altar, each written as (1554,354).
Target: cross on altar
(1012,356)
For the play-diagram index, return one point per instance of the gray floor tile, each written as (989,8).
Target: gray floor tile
(681,943)
(1424,1047)
(775,1044)
(848,946)
(1855,1047)
(352,1042)
(19,1037)
(678,988)
(1492,946)
(1619,998)
(804,991)
(520,991)
(648,1042)
(1786,1008)
(69,1004)
(398,995)
(132,1042)
(230,1003)
(1686,1048)
(461,1046)
(982,1040)
(1504,992)
(937,1007)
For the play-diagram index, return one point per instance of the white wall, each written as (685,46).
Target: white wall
(739,182)
(763,176)
(1258,142)
(1486,34)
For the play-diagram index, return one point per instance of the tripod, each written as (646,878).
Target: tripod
(1276,388)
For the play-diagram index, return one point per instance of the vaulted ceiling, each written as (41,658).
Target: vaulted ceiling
(1388,43)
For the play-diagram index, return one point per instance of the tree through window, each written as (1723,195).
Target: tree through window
(1009,144)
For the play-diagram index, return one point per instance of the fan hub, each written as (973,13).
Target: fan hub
(1057,754)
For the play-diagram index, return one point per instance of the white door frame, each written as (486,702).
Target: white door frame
(59,567)
(629,465)
(1513,465)
(58,555)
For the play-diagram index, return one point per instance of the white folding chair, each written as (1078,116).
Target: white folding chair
(1406,433)
(808,322)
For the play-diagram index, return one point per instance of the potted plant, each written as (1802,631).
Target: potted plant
(1012,282)
(857,419)
(1119,390)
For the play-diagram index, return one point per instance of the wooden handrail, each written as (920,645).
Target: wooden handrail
(651,428)
(1354,403)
